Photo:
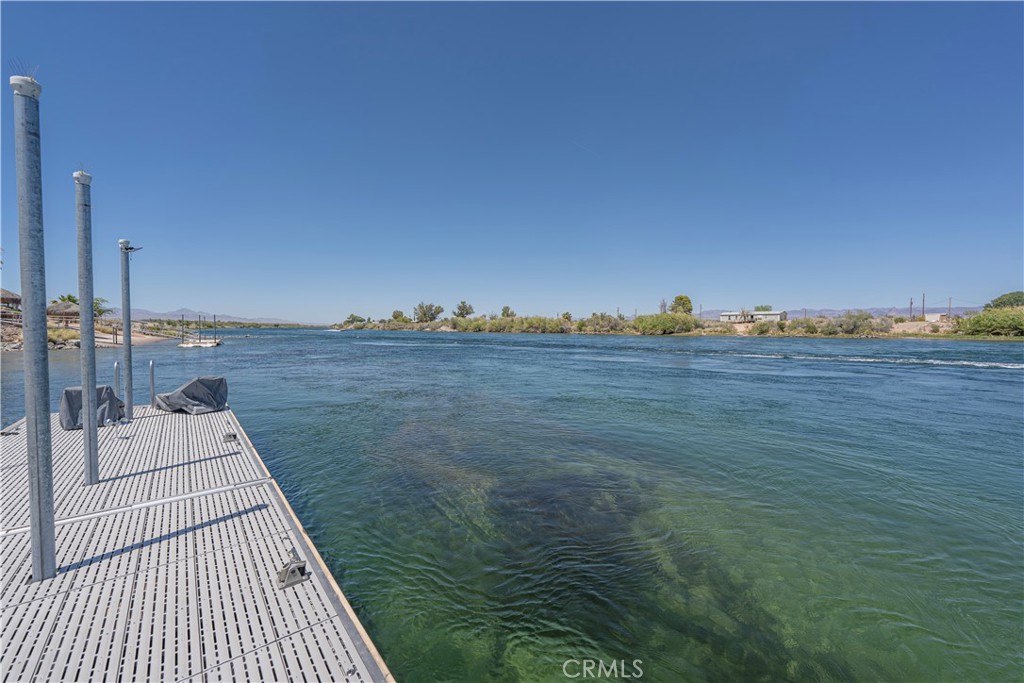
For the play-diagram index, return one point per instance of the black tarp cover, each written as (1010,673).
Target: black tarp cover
(108,407)
(201,395)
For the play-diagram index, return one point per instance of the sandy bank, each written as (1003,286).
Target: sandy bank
(11,338)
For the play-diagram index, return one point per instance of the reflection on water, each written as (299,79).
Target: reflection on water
(721,509)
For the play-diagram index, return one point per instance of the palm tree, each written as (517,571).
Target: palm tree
(69,298)
(99,308)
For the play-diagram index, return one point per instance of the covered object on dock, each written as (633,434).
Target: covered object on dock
(201,395)
(109,408)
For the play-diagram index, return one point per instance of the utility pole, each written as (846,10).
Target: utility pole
(126,315)
(922,306)
(911,308)
(949,310)
(28,169)
(83,205)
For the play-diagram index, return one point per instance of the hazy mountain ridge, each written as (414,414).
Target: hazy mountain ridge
(893,311)
(144,314)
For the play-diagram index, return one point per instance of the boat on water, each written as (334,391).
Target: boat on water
(199,342)
(204,344)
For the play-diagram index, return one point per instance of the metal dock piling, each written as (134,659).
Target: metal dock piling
(167,569)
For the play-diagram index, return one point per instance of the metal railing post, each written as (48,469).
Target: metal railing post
(126,333)
(152,386)
(87,325)
(28,169)
(117,379)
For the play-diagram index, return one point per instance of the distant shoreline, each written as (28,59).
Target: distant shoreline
(735,335)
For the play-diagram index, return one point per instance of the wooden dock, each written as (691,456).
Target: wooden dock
(168,568)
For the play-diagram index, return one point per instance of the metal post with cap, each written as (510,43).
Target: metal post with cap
(126,317)
(28,165)
(83,206)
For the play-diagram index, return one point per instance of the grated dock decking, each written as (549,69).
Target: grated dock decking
(167,569)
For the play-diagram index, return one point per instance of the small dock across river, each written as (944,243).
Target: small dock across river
(167,570)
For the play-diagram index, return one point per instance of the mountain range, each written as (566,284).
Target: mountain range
(712,314)
(144,314)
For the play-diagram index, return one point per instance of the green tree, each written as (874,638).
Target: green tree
(1002,321)
(426,313)
(763,307)
(567,316)
(681,304)
(1007,300)
(664,323)
(463,310)
(99,307)
(353,318)
(507,312)
(69,298)
(399,316)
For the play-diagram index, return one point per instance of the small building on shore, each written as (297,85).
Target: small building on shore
(62,312)
(751,316)
(10,300)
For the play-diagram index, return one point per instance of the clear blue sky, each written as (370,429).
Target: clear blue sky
(309,161)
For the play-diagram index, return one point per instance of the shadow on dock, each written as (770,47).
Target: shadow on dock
(161,538)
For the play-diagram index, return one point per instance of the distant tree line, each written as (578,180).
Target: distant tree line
(1003,316)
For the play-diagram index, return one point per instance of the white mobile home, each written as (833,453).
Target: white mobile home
(751,316)
(771,316)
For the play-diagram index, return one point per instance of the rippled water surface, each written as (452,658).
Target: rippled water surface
(718,508)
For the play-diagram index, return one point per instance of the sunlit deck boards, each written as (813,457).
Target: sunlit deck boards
(167,569)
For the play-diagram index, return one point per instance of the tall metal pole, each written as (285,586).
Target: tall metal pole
(83,205)
(28,166)
(126,317)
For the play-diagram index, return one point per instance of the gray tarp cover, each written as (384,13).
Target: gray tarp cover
(108,407)
(201,395)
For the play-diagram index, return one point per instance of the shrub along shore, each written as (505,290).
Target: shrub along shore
(993,323)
